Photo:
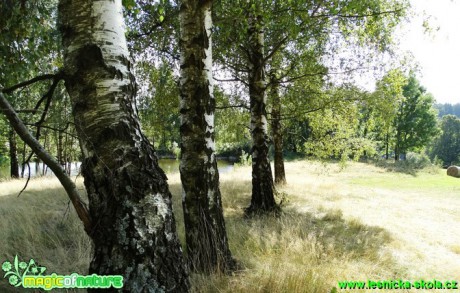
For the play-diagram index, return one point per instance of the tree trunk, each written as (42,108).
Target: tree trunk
(262,200)
(134,231)
(60,156)
(206,236)
(397,141)
(23,165)
(45,141)
(280,174)
(14,164)
(387,147)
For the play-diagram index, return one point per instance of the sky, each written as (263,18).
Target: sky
(438,52)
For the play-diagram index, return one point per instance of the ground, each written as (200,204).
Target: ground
(419,212)
(356,222)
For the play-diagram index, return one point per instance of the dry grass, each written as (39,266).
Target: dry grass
(357,223)
(41,225)
(420,212)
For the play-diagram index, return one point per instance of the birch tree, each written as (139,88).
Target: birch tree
(133,229)
(288,35)
(206,237)
(263,198)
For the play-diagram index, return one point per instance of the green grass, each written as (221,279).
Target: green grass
(422,180)
(354,223)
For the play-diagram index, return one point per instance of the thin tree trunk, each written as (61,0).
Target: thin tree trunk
(206,236)
(134,233)
(280,174)
(262,200)
(387,147)
(14,164)
(65,154)
(23,165)
(397,149)
(37,167)
(59,148)
(45,141)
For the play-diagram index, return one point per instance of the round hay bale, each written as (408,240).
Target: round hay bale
(453,171)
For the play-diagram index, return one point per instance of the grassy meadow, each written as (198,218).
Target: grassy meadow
(356,222)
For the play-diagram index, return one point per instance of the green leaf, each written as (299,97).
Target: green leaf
(128,4)
(16,263)
(9,273)
(162,18)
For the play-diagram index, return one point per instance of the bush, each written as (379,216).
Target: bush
(411,165)
(417,161)
(245,159)
(176,150)
(4,161)
(232,149)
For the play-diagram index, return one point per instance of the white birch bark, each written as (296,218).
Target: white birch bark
(134,228)
(206,237)
(262,199)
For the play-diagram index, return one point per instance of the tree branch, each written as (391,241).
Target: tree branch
(275,49)
(233,106)
(48,96)
(27,111)
(57,77)
(357,15)
(28,82)
(63,130)
(79,205)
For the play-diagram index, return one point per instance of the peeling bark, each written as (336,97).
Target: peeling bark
(206,237)
(134,231)
(262,200)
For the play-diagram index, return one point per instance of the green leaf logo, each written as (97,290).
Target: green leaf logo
(16,271)
(6,266)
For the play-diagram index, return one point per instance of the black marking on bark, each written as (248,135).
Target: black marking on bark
(90,56)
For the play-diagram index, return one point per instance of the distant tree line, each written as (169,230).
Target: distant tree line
(448,109)
(445,148)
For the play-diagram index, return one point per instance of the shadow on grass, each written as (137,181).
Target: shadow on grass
(329,233)
(328,230)
(391,165)
(284,253)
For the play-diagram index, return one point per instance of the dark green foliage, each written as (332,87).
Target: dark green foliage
(232,127)
(446,147)
(158,105)
(448,109)
(413,163)
(415,123)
